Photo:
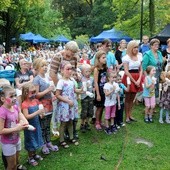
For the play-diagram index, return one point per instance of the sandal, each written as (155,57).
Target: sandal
(64,145)
(74,142)
(98,127)
(38,157)
(45,150)
(52,147)
(32,162)
(21,167)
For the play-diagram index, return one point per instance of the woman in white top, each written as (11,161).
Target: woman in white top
(133,69)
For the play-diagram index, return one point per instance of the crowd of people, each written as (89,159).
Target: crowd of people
(49,84)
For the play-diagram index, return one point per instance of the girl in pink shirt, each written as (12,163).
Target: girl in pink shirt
(12,122)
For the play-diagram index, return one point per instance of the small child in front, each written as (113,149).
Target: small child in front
(86,98)
(12,122)
(111,98)
(149,93)
(65,93)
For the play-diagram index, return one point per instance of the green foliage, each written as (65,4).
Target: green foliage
(82,40)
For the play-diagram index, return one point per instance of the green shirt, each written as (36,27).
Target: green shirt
(149,59)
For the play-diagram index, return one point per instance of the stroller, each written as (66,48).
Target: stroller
(9,75)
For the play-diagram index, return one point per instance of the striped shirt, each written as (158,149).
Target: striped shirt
(58,58)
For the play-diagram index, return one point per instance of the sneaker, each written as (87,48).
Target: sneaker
(82,128)
(146,120)
(76,136)
(161,121)
(122,124)
(98,127)
(113,128)
(167,121)
(118,127)
(107,131)
(87,126)
(151,120)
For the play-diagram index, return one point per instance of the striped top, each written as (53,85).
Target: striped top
(58,58)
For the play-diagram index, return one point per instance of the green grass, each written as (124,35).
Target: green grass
(120,150)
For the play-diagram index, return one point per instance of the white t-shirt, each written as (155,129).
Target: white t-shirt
(133,65)
(111,99)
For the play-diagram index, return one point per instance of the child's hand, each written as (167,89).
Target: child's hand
(98,98)
(114,88)
(54,98)
(70,102)
(50,88)
(119,107)
(21,126)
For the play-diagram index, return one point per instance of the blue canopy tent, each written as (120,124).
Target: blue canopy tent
(27,36)
(33,38)
(113,35)
(61,38)
(38,38)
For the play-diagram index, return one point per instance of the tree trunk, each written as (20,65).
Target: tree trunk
(151,17)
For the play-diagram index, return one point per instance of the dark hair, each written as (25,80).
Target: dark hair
(3,90)
(106,42)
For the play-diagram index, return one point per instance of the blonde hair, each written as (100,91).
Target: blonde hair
(25,90)
(130,47)
(85,66)
(38,63)
(168,40)
(72,45)
(97,58)
(4,81)
(110,73)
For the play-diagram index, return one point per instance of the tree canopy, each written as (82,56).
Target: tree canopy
(80,17)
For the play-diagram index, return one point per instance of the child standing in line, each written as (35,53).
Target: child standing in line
(32,139)
(149,93)
(111,98)
(12,122)
(86,98)
(165,97)
(65,93)
(122,90)
(44,94)
(99,81)
(78,91)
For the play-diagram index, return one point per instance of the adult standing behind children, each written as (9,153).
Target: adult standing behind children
(145,46)
(132,63)
(22,77)
(110,58)
(166,55)
(68,54)
(120,52)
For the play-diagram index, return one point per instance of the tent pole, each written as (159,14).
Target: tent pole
(141,22)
